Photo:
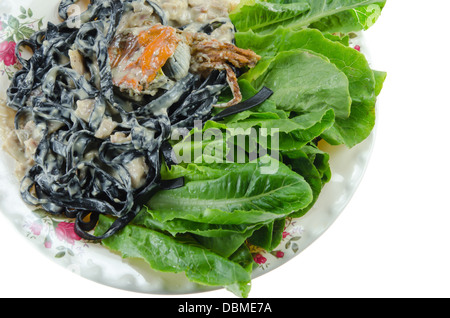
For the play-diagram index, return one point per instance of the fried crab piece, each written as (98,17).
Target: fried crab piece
(137,60)
(210,54)
(145,62)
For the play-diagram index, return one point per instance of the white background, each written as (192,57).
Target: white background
(393,239)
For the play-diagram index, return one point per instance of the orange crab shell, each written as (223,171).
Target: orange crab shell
(156,45)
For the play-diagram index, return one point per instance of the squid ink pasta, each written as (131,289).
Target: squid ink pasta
(104,95)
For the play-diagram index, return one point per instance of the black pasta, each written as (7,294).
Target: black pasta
(77,174)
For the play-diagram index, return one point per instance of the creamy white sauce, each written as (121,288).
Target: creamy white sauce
(20,144)
(185,12)
(138,18)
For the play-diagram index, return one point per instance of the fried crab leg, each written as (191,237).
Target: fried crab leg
(210,54)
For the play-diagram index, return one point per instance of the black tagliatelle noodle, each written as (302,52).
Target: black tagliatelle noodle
(76,174)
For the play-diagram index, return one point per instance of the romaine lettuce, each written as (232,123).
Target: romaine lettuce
(328,16)
(166,253)
(323,90)
(359,80)
(243,194)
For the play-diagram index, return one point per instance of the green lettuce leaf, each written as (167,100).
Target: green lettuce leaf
(352,63)
(302,82)
(224,240)
(313,164)
(291,133)
(269,236)
(259,15)
(363,83)
(354,20)
(168,254)
(247,193)
(328,16)
(178,226)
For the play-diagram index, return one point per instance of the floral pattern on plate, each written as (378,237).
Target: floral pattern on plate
(13,30)
(56,235)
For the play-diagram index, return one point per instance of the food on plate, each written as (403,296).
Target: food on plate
(111,121)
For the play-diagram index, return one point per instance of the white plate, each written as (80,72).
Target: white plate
(54,237)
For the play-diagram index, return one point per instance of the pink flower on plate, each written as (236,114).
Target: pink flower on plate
(8,53)
(279,254)
(36,228)
(66,232)
(259,259)
(48,244)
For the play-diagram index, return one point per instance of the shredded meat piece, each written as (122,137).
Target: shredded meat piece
(210,54)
